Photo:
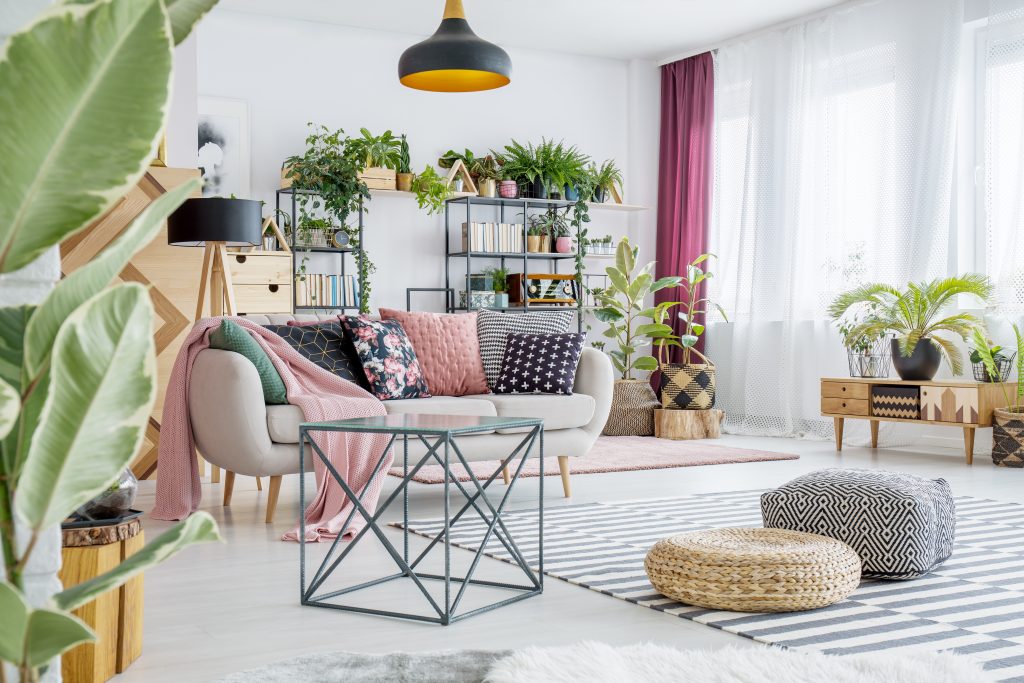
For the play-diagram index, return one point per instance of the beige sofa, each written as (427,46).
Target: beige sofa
(236,431)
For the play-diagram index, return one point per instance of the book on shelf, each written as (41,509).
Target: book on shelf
(493,237)
(327,291)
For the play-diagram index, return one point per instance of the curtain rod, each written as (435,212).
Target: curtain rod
(782,25)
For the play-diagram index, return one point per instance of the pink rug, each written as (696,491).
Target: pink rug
(615,454)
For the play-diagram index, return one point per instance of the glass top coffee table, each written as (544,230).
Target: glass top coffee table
(438,434)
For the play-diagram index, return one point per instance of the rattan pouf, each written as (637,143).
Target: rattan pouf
(753,570)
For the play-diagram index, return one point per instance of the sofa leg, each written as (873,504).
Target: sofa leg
(275,489)
(506,476)
(214,474)
(563,467)
(259,483)
(229,486)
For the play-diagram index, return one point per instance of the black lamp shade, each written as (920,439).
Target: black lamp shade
(455,59)
(237,222)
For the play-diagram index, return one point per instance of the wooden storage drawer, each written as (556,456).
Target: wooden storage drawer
(845,390)
(263,298)
(260,268)
(845,406)
(949,404)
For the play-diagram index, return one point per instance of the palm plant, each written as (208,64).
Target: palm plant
(913,314)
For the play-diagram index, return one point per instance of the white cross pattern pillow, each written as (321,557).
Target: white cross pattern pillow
(539,364)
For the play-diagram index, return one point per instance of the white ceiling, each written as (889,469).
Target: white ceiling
(620,29)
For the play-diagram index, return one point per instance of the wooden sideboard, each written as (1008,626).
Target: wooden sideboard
(967,405)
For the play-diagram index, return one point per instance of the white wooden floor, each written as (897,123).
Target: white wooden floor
(215,609)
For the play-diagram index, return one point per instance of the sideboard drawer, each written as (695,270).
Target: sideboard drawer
(846,390)
(845,406)
(263,299)
(950,404)
(260,268)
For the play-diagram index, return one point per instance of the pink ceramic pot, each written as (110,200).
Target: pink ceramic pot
(563,245)
(509,189)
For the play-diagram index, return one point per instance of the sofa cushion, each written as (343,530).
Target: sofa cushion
(389,360)
(493,327)
(558,412)
(283,421)
(539,364)
(327,345)
(233,337)
(447,348)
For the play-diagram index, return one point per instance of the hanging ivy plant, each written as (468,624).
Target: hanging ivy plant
(329,171)
(580,218)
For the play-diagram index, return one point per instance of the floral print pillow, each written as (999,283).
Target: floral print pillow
(389,361)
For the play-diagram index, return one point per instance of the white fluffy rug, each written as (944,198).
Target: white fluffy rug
(598,663)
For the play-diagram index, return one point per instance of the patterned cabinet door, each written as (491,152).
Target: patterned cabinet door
(949,404)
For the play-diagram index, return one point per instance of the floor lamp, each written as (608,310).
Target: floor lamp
(216,224)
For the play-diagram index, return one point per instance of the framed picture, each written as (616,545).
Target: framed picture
(223,150)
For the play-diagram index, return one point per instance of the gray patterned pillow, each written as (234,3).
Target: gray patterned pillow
(494,327)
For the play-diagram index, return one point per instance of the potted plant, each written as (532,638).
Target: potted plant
(912,315)
(868,354)
(499,281)
(381,156)
(487,172)
(448,159)
(632,326)
(545,225)
(568,171)
(521,163)
(1008,422)
(605,178)
(403,179)
(984,348)
(687,385)
(535,235)
(432,190)
(508,186)
(560,232)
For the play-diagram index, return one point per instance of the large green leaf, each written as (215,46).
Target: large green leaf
(13,321)
(662,283)
(83,100)
(101,391)
(53,633)
(91,278)
(184,14)
(10,406)
(198,528)
(14,623)
(645,363)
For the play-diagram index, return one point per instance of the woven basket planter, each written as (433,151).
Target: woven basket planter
(1008,437)
(753,570)
(632,411)
(688,387)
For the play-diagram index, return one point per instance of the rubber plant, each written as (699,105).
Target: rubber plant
(77,370)
(622,306)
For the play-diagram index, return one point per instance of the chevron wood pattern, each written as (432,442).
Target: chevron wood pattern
(170,273)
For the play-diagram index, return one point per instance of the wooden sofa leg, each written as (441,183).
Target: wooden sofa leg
(259,484)
(563,467)
(275,489)
(229,486)
(506,476)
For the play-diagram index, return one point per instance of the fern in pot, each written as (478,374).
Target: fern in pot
(921,335)
(631,327)
(1008,422)
(688,385)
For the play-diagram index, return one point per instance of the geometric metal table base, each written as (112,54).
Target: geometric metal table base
(438,434)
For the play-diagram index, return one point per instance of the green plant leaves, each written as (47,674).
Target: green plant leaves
(648,363)
(83,97)
(35,636)
(184,14)
(199,528)
(10,406)
(91,278)
(94,417)
(665,282)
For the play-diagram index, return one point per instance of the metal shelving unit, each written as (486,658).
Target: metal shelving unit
(293,202)
(500,204)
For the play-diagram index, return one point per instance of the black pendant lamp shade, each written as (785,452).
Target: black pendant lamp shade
(454,59)
(236,222)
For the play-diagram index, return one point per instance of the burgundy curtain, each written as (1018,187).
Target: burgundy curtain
(684,170)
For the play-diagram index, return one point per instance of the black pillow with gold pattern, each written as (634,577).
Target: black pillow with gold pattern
(327,345)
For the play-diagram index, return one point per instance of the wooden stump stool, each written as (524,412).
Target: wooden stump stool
(688,424)
(115,616)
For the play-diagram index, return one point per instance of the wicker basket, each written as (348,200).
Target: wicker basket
(1008,437)
(632,411)
(688,387)
(753,570)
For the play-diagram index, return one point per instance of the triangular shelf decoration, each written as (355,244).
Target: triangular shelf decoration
(460,168)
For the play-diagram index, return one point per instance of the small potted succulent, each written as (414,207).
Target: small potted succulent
(403,179)
(1008,422)
(487,172)
(499,282)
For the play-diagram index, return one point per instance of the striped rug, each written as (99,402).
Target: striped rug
(973,605)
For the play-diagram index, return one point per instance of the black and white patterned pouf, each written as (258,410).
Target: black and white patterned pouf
(902,526)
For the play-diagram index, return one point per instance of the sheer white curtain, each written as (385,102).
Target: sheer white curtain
(835,144)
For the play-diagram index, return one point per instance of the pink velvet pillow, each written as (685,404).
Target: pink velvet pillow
(448,350)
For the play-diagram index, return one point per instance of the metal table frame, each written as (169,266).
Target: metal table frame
(477,499)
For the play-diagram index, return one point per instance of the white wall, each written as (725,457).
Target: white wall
(292,72)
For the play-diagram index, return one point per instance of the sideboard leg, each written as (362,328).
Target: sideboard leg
(874,433)
(969,444)
(839,432)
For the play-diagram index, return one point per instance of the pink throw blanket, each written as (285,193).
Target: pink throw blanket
(320,394)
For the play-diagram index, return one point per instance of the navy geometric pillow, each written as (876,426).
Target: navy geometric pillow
(539,364)
(326,345)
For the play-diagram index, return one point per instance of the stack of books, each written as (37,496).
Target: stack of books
(327,291)
(493,237)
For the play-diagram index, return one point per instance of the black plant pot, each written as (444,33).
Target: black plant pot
(539,189)
(599,195)
(921,365)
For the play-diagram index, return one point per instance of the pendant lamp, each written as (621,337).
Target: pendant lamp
(454,59)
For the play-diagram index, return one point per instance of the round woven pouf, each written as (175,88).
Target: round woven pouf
(753,570)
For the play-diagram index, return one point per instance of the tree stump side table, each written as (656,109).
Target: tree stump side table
(682,425)
(115,616)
